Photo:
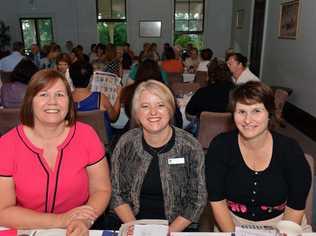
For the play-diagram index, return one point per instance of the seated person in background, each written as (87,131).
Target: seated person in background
(12,93)
(155,52)
(254,175)
(63,62)
(171,64)
(215,96)
(191,63)
(8,63)
(112,63)
(237,64)
(157,170)
(148,69)
(206,56)
(93,52)
(49,61)
(85,100)
(53,173)
(35,55)
(153,66)
(128,57)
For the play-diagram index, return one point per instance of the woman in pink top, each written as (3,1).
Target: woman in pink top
(52,169)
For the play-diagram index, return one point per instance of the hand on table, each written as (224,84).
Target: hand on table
(78,228)
(85,212)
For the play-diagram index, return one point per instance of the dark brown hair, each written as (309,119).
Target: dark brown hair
(217,71)
(64,57)
(253,92)
(40,80)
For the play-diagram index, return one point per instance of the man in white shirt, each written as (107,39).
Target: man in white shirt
(8,63)
(237,64)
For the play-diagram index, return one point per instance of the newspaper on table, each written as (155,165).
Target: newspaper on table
(255,230)
(106,83)
(145,228)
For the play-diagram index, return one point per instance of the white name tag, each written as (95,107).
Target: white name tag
(175,161)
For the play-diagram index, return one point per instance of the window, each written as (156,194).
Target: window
(111,22)
(36,30)
(189,22)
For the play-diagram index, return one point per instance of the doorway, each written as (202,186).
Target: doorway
(257,36)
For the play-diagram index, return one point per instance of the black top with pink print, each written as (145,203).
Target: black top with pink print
(257,195)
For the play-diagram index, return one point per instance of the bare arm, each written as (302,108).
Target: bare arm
(106,105)
(125,213)
(179,224)
(18,217)
(293,215)
(222,216)
(99,186)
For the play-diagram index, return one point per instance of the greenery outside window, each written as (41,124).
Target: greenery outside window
(36,30)
(111,21)
(189,22)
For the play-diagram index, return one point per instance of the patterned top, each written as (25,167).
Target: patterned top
(181,172)
(113,67)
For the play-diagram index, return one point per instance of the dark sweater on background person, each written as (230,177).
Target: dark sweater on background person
(213,98)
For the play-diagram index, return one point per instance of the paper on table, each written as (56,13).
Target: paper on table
(150,230)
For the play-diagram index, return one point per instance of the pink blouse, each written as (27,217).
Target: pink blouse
(37,186)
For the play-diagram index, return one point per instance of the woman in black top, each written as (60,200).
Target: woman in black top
(215,96)
(255,175)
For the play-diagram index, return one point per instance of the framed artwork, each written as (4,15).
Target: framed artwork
(289,16)
(150,29)
(240,16)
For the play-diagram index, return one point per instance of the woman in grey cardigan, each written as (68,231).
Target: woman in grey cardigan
(158,169)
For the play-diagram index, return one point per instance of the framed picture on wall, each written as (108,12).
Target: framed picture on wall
(289,16)
(150,29)
(240,17)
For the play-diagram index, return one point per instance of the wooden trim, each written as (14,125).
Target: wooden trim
(300,119)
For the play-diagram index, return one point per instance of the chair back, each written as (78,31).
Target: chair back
(211,124)
(9,118)
(280,98)
(201,78)
(179,89)
(106,83)
(95,119)
(309,200)
(175,78)
(5,76)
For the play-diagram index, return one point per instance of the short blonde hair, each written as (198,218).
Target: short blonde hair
(157,88)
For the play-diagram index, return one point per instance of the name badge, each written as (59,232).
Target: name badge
(176,161)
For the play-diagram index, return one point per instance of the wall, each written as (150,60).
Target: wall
(76,20)
(149,10)
(291,63)
(218,18)
(72,20)
(240,37)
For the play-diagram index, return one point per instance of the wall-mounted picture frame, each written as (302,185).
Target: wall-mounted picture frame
(289,17)
(240,17)
(150,29)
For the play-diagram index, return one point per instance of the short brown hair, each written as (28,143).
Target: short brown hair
(40,80)
(157,88)
(253,92)
(64,57)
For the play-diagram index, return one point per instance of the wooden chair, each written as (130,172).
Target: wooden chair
(179,89)
(9,118)
(201,77)
(280,98)
(309,200)
(5,76)
(211,124)
(95,119)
